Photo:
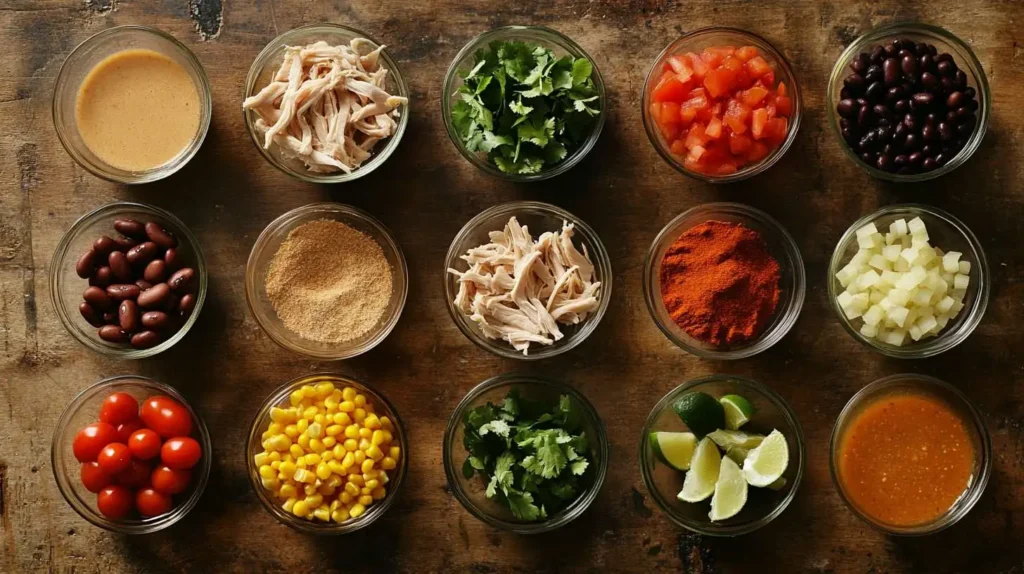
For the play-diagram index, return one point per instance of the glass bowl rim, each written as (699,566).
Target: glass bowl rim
(768,338)
(566,515)
(971,494)
(285,222)
(943,341)
(599,256)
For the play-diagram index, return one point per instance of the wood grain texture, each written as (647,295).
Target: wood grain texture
(425,193)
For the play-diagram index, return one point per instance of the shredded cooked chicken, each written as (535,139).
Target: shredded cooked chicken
(327,106)
(520,290)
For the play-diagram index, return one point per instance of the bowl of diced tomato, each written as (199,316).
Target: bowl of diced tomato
(721,104)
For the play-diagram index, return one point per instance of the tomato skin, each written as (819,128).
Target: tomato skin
(149,502)
(125,430)
(90,441)
(114,502)
(94,478)
(119,408)
(136,475)
(144,444)
(169,480)
(115,458)
(180,453)
(166,416)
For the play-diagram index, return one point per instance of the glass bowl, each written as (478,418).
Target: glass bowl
(947,233)
(266,247)
(539,217)
(472,492)
(66,286)
(792,281)
(280,397)
(944,41)
(541,36)
(919,384)
(763,504)
(716,36)
(91,52)
(83,410)
(266,65)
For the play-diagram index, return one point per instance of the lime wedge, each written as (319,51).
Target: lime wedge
(738,411)
(730,492)
(727,439)
(766,463)
(674,448)
(703,474)
(738,454)
(701,412)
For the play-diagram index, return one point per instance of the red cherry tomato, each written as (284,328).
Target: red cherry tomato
(90,441)
(94,478)
(149,502)
(136,475)
(180,453)
(114,501)
(115,458)
(167,417)
(125,430)
(119,408)
(144,444)
(170,481)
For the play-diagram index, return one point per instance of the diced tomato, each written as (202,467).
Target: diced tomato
(670,131)
(719,82)
(753,96)
(736,116)
(686,115)
(714,129)
(678,147)
(655,111)
(757,122)
(713,59)
(771,110)
(739,144)
(775,130)
(696,152)
(680,67)
(758,151)
(732,63)
(695,136)
(669,121)
(672,89)
(782,89)
(758,66)
(698,102)
(725,168)
(745,52)
(699,67)
(768,79)
(784,106)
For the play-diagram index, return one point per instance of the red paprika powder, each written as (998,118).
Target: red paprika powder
(719,283)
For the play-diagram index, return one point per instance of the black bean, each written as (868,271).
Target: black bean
(847,108)
(928,133)
(891,50)
(874,74)
(926,63)
(933,50)
(916,158)
(849,135)
(884,163)
(945,131)
(969,93)
(928,164)
(972,105)
(855,82)
(902,106)
(923,99)
(960,79)
(887,149)
(921,48)
(862,115)
(868,157)
(941,159)
(884,134)
(860,63)
(846,93)
(900,160)
(875,91)
(876,54)
(867,141)
(929,81)
(943,67)
(891,71)
(880,110)
(951,116)
(910,121)
(947,84)
(965,129)
(929,150)
(894,94)
(944,57)
(909,65)
(911,142)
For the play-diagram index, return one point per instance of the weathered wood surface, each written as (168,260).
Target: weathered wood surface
(425,193)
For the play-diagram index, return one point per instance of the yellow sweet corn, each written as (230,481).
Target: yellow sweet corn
(371,422)
(323,472)
(295,398)
(359,415)
(270,483)
(302,425)
(329,441)
(385,423)
(348,393)
(348,461)
(360,401)
(351,445)
(300,509)
(346,406)
(372,483)
(378,493)
(377,438)
(320,419)
(261,459)
(292,431)
(357,510)
(388,463)
(311,459)
(316,446)
(367,465)
(324,390)
(351,489)
(342,419)
(289,504)
(364,444)
(374,452)
(345,497)
(394,452)
(303,440)
(334,430)
(359,456)
(365,500)
(365,433)
(288,491)
(327,455)
(340,515)
(322,514)
(296,450)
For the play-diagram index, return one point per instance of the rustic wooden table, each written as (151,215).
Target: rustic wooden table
(425,192)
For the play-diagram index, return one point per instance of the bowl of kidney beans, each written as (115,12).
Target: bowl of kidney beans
(128,279)
(910,102)
(130,455)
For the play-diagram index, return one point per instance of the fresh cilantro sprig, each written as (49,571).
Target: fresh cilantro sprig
(533,454)
(525,108)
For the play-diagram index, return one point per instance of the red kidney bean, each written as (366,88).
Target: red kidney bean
(119,267)
(103,245)
(143,284)
(155,320)
(123,244)
(173,259)
(110,318)
(171,306)
(187,304)
(181,281)
(86,263)
(112,334)
(145,339)
(142,253)
(157,234)
(98,298)
(156,271)
(128,316)
(154,297)
(122,291)
(102,277)
(130,228)
(90,314)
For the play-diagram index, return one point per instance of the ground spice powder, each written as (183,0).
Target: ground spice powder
(719,283)
(328,282)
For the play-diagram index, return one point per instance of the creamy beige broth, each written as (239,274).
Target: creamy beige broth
(137,110)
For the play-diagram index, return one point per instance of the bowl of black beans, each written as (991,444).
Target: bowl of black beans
(910,102)
(128,280)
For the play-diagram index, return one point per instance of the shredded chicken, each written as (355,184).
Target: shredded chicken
(520,290)
(327,106)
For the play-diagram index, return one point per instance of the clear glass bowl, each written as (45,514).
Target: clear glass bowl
(66,286)
(472,492)
(254,446)
(717,36)
(270,241)
(947,233)
(538,217)
(944,41)
(541,36)
(763,504)
(919,384)
(266,65)
(84,410)
(780,244)
(84,58)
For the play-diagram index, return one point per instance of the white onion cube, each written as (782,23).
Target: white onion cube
(867,230)
(895,337)
(868,279)
(898,227)
(945,305)
(922,297)
(879,262)
(917,228)
(899,315)
(909,255)
(845,299)
(926,323)
(915,332)
(965,267)
(951,262)
(960,281)
(869,331)
(891,252)
(899,297)
(873,315)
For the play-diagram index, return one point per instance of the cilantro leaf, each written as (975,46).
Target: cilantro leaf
(522,506)
(581,71)
(579,466)
(497,426)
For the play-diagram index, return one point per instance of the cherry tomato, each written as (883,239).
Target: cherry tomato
(180,453)
(149,502)
(170,481)
(119,408)
(166,416)
(90,441)
(125,430)
(94,478)
(115,458)
(136,475)
(144,444)
(114,501)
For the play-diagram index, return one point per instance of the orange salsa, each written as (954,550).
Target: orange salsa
(905,459)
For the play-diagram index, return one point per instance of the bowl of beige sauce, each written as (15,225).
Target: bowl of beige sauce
(132,104)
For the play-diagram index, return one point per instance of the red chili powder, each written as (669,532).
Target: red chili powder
(719,283)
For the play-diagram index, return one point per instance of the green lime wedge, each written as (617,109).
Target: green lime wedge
(701,412)
(727,439)
(766,463)
(703,474)
(674,448)
(738,454)
(738,411)
(730,492)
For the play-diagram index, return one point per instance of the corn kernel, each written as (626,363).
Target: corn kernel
(348,461)
(295,398)
(326,456)
(322,514)
(292,431)
(311,459)
(314,500)
(378,493)
(271,483)
(301,509)
(316,446)
(359,400)
(342,419)
(329,441)
(377,438)
(365,433)
(266,434)
(352,431)
(261,459)
(383,477)
(371,421)
(309,489)
(320,419)
(308,391)
(323,472)
(296,450)
(301,463)
(331,404)
(395,452)
(359,415)
(303,475)
(305,404)
(374,453)
(315,430)
(367,465)
(345,498)
(356,480)
(339,452)
(326,490)
(385,423)
(283,416)
(371,474)
(359,456)
(323,390)
(348,393)
(365,500)
(357,510)
(303,440)
(364,444)
(277,442)
(335,467)
(334,430)
(351,489)
(346,406)
(289,504)
(309,413)
(276,465)
(302,425)
(388,463)
(288,491)
(387,436)
(351,445)
(372,483)
(339,515)
(275,428)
